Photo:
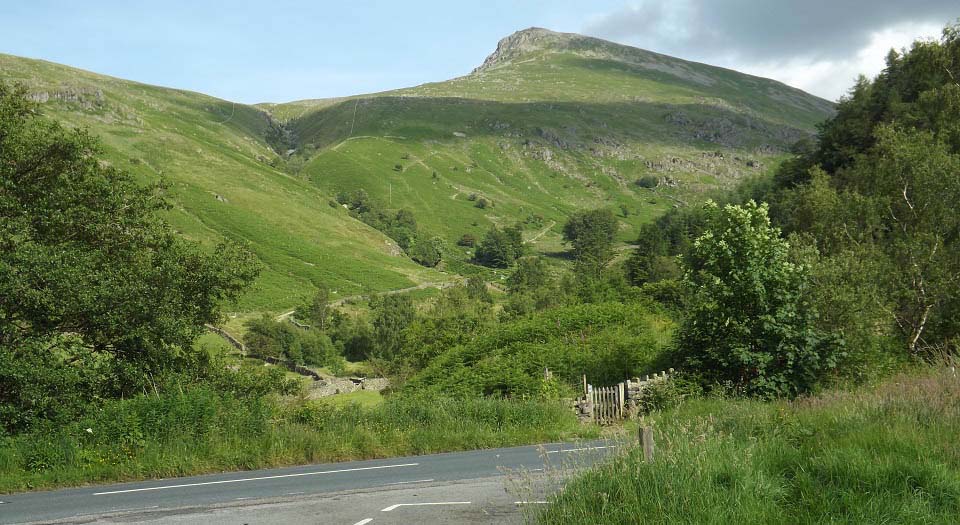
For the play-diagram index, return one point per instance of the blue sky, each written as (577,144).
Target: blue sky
(282,50)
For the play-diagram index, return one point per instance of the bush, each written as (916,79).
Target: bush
(467,240)
(750,321)
(648,181)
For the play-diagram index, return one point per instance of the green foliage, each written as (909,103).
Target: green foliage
(211,430)
(400,226)
(750,322)
(282,340)
(477,289)
(530,275)
(427,252)
(500,248)
(876,194)
(468,240)
(318,312)
(884,454)
(608,342)
(353,336)
(391,315)
(84,249)
(591,233)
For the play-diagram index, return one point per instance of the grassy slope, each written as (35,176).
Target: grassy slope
(556,123)
(205,148)
(568,123)
(884,454)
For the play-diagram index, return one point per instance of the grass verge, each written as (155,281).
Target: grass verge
(885,454)
(202,430)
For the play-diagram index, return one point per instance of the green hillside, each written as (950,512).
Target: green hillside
(551,123)
(214,156)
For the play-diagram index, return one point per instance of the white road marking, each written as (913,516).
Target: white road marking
(135,508)
(363,522)
(530,502)
(398,505)
(241,499)
(294,493)
(579,449)
(253,479)
(406,482)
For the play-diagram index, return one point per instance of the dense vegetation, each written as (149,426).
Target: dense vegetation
(857,276)
(102,301)
(885,454)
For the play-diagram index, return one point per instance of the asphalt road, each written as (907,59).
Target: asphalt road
(485,486)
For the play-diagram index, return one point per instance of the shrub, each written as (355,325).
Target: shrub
(750,321)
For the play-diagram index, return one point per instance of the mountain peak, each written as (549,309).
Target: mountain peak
(523,42)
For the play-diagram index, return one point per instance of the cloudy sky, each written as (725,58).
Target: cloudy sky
(279,50)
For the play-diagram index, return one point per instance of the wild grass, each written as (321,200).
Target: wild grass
(202,430)
(883,454)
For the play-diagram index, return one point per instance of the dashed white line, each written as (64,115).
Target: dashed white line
(579,449)
(164,487)
(530,502)
(135,508)
(407,482)
(364,521)
(295,493)
(398,505)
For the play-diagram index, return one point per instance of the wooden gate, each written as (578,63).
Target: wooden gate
(608,402)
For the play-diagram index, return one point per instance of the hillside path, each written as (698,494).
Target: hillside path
(339,302)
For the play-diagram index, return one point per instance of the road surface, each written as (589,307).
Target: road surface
(486,486)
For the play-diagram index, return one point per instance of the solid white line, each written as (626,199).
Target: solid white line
(530,502)
(391,507)
(579,449)
(406,482)
(253,479)
(363,522)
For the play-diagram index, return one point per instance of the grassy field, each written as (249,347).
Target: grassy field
(881,454)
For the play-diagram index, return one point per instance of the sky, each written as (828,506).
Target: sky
(276,51)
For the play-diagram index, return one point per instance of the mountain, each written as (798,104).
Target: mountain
(548,124)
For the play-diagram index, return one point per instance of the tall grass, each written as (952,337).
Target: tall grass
(202,430)
(886,454)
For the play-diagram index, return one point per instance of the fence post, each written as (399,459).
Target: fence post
(621,402)
(646,442)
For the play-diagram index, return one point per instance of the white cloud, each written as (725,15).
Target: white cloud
(831,79)
(820,46)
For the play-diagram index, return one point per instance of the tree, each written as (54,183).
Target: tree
(912,179)
(531,274)
(391,315)
(84,251)
(749,321)
(477,289)
(318,311)
(500,248)
(591,234)
(427,252)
